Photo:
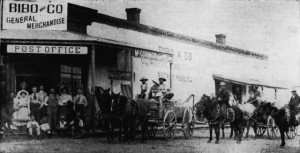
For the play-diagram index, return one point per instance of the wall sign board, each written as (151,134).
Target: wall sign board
(35,15)
(42,49)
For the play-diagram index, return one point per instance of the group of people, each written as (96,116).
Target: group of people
(40,112)
(157,90)
(223,96)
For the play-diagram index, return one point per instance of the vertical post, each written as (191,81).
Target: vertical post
(171,73)
(275,93)
(93,68)
(93,80)
(2,77)
(132,73)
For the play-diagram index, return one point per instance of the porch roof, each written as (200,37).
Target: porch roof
(246,80)
(48,35)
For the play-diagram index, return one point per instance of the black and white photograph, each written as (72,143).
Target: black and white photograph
(149,76)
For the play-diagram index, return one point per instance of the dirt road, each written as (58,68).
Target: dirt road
(178,145)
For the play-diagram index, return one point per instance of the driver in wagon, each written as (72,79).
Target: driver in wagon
(160,93)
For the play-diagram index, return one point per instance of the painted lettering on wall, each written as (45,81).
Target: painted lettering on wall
(178,77)
(154,63)
(187,56)
(152,55)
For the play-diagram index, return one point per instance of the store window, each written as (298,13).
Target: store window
(70,77)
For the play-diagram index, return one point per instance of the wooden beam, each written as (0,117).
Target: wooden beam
(93,68)
(132,73)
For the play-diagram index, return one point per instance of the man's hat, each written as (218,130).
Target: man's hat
(222,83)
(52,91)
(143,78)
(294,90)
(164,79)
(23,83)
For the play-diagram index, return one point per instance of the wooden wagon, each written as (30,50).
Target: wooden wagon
(169,117)
(273,130)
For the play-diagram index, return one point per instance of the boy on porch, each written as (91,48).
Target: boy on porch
(33,127)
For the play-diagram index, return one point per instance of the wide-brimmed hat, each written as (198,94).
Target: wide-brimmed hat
(143,78)
(293,90)
(164,79)
(222,83)
(23,83)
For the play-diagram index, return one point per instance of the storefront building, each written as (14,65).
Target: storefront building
(80,48)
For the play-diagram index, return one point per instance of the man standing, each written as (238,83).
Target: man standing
(237,95)
(294,107)
(256,99)
(23,89)
(52,108)
(63,102)
(80,102)
(35,104)
(42,97)
(223,100)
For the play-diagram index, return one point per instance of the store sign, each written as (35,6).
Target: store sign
(41,49)
(35,15)
(119,75)
(153,55)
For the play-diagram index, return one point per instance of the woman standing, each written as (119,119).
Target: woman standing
(22,107)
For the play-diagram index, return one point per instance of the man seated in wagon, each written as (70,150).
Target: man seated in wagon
(159,93)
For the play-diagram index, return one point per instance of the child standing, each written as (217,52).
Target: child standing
(33,127)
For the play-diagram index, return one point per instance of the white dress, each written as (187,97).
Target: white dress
(21,115)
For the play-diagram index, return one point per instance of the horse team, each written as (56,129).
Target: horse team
(119,112)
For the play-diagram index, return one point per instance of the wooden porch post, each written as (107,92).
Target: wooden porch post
(132,73)
(93,68)
(92,93)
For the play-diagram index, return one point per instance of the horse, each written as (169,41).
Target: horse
(105,103)
(212,114)
(116,115)
(249,119)
(136,114)
(280,117)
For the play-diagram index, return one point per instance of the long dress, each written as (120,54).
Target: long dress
(21,115)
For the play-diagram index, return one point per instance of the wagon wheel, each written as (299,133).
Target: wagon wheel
(292,132)
(188,123)
(169,126)
(201,120)
(260,131)
(152,131)
(271,128)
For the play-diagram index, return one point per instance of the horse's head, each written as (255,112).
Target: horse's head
(119,103)
(204,101)
(104,98)
(266,109)
(202,104)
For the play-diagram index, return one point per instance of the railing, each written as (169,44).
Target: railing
(189,98)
